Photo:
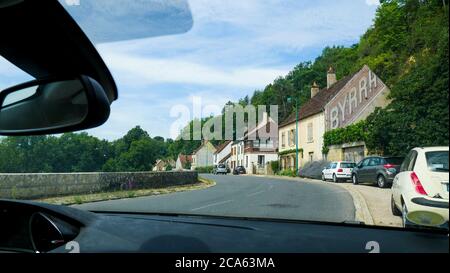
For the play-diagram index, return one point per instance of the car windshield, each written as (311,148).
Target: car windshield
(271,91)
(437,161)
(348,165)
(394,160)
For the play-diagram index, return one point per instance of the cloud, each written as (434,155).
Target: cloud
(233,48)
(373,2)
(134,70)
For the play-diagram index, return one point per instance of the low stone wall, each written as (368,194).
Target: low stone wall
(40,185)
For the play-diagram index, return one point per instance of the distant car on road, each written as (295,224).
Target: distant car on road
(221,169)
(239,170)
(422,185)
(377,169)
(338,171)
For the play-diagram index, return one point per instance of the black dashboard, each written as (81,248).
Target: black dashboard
(37,227)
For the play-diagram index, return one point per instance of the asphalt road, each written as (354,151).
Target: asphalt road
(247,196)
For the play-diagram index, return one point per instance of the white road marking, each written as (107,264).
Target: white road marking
(255,193)
(211,205)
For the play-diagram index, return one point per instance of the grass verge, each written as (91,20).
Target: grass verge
(203,183)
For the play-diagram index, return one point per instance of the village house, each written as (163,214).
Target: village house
(203,156)
(255,151)
(340,104)
(184,162)
(162,165)
(223,154)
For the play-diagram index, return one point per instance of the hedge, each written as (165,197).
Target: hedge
(206,169)
(352,133)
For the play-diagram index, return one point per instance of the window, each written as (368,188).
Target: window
(365,163)
(413,161)
(311,156)
(348,165)
(283,140)
(261,160)
(375,161)
(405,165)
(292,137)
(310,132)
(437,161)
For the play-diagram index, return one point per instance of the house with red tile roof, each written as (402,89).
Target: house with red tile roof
(184,162)
(340,104)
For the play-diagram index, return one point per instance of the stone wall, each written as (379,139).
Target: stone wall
(34,186)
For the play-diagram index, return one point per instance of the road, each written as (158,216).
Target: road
(247,196)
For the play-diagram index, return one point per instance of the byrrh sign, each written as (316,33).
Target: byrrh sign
(356,100)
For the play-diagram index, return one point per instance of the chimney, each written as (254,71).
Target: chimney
(314,89)
(331,77)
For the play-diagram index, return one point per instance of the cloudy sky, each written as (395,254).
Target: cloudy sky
(232,49)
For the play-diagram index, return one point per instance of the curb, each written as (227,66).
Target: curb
(362,212)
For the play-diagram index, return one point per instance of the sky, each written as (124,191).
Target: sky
(228,50)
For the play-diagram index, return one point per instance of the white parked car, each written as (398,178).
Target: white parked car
(338,171)
(420,189)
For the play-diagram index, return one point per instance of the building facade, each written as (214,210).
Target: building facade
(163,165)
(342,103)
(223,153)
(184,162)
(203,156)
(257,148)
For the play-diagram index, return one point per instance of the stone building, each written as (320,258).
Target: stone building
(340,104)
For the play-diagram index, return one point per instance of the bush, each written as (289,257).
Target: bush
(288,172)
(275,165)
(352,133)
(206,169)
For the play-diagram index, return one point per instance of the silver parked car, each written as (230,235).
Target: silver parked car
(221,169)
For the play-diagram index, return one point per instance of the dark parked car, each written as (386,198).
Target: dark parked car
(377,169)
(239,170)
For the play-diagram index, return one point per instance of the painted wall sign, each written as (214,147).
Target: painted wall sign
(357,97)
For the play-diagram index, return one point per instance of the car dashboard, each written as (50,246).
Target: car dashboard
(39,228)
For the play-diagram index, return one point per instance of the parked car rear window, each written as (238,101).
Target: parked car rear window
(437,161)
(394,160)
(348,165)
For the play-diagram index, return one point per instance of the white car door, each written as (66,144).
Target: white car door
(402,181)
(332,170)
(327,170)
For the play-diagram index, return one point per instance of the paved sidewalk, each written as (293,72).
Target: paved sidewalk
(379,203)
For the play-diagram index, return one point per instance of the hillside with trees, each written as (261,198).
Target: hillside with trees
(407,47)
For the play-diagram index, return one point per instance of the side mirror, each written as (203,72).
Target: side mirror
(53,106)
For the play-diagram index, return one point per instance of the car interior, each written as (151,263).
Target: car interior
(74,90)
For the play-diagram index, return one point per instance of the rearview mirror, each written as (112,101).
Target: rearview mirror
(53,106)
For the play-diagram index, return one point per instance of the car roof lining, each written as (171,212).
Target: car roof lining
(43,40)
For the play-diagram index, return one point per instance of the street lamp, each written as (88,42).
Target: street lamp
(289,100)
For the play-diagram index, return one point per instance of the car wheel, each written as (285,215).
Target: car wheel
(381,181)
(394,209)
(355,179)
(335,179)
(406,223)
